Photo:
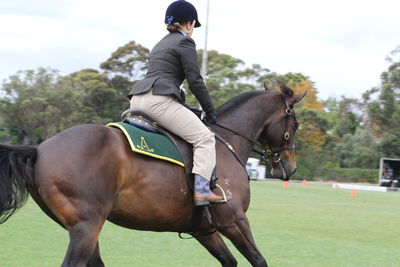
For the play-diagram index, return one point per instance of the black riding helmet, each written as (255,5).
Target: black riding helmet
(181,11)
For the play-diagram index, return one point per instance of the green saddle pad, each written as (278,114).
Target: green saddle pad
(150,144)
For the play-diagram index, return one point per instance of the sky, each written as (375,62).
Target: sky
(341,45)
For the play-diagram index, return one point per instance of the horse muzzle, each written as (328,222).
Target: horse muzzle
(283,170)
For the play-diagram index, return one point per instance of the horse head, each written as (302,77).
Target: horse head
(277,137)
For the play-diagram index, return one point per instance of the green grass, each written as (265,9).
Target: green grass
(297,226)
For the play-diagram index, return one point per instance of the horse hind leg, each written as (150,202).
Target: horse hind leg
(95,260)
(83,245)
(217,247)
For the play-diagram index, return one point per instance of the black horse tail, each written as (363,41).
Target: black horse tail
(17,165)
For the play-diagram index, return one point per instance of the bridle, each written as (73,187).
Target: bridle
(275,155)
(265,152)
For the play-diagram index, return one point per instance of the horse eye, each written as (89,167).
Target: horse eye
(296,125)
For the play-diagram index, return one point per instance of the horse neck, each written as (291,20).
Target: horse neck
(248,118)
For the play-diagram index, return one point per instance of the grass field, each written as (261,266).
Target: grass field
(296,226)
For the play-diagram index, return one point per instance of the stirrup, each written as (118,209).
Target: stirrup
(223,193)
(203,203)
(225,200)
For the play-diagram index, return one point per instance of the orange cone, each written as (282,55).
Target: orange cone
(305,182)
(353,192)
(285,184)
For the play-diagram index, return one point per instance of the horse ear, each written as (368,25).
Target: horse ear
(285,89)
(296,98)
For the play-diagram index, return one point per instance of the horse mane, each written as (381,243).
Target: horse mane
(240,99)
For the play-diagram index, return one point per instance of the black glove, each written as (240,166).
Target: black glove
(211,116)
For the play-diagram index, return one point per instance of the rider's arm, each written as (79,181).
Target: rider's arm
(188,55)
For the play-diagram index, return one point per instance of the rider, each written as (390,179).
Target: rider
(172,60)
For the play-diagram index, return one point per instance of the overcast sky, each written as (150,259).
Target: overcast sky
(341,45)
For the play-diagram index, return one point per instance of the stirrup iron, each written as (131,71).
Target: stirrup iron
(223,192)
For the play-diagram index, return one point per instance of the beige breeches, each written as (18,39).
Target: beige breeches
(176,118)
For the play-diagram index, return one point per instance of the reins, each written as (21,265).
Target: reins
(230,147)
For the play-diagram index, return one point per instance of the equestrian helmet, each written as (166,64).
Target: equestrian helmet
(181,11)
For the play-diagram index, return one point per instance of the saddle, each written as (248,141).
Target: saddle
(140,119)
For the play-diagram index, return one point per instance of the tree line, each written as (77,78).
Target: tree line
(338,137)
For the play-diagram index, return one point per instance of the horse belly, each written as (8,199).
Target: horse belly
(154,196)
(152,213)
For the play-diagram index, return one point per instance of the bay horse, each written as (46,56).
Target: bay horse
(87,174)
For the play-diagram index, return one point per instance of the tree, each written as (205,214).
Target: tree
(389,146)
(384,110)
(359,150)
(102,102)
(227,77)
(129,61)
(341,115)
(312,132)
(39,103)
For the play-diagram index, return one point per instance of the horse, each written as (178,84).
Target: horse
(87,174)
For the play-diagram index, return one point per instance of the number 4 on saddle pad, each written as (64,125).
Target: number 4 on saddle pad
(151,144)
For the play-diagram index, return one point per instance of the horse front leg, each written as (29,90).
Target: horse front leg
(217,247)
(237,229)
(95,260)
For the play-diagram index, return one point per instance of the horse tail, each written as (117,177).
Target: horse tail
(17,165)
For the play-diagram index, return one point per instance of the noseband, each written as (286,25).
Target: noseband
(268,154)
